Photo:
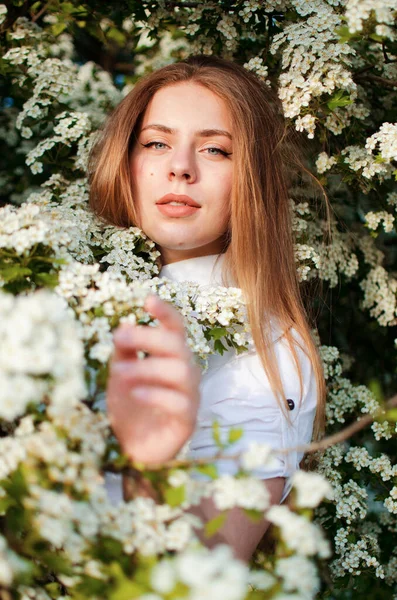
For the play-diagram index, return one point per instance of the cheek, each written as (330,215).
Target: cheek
(142,179)
(137,170)
(224,186)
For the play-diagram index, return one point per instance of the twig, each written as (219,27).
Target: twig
(386,82)
(385,56)
(41,11)
(345,434)
(327,442)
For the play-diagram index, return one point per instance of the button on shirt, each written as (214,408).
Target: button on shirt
(236,392)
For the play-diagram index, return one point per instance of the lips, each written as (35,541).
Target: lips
(178,198)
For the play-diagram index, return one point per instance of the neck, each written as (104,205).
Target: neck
(171,255)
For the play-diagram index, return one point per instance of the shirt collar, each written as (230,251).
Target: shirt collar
(201,270)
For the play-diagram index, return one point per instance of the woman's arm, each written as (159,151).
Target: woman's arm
(239,531)
(153,428)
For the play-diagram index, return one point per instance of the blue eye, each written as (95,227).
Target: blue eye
(150,144)
(218,151)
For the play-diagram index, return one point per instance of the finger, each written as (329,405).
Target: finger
(165,401)
(165,313)
(122,349)
(169,372)
(157,341)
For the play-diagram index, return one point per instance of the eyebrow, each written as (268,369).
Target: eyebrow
(202,133)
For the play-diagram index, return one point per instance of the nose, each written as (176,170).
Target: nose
(182,166)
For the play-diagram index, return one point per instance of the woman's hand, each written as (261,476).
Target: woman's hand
(152,403)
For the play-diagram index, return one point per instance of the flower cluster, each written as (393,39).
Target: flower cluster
(70,128)
(359,11)
(385,141)
(360,159)
(56,226)
(41,355)
(3,13)
(373,220)
(256,65)
(380,291)
(314,62)
(324,162)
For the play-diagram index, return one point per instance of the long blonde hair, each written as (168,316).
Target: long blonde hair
(259,245)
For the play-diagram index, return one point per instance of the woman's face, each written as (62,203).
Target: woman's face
(184,148)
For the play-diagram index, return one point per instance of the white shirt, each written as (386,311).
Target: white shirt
(235,390)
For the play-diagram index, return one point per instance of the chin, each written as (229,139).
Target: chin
(181,245)
(178,239)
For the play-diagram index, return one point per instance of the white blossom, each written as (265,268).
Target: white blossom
(310,489)
(299,534)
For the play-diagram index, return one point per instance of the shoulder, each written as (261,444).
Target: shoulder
(287,343)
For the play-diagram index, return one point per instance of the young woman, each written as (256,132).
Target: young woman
(194,156)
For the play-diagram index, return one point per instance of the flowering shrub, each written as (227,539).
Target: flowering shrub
(68,279)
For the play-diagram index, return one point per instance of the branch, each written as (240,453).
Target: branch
(327,442)
(346,433)
(385,56)
(386,82)
(40,12)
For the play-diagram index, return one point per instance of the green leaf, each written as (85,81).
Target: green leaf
(174,496)
(54,589)
(255,515)
(14,273)
(219,347)
(35,7)
(218,332)
(16,485)
(58,28)
(5,503)
(67,8)
(376,37)
(49,280)
(52,561)
(240,349)
(116,35)
(235,434)
(391,415)
(210,470)
(216,434)
(344,34)
(120,462)
(375,386)
(89,587)
(339,99)
(125,587)
(215,524)
(108,550)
